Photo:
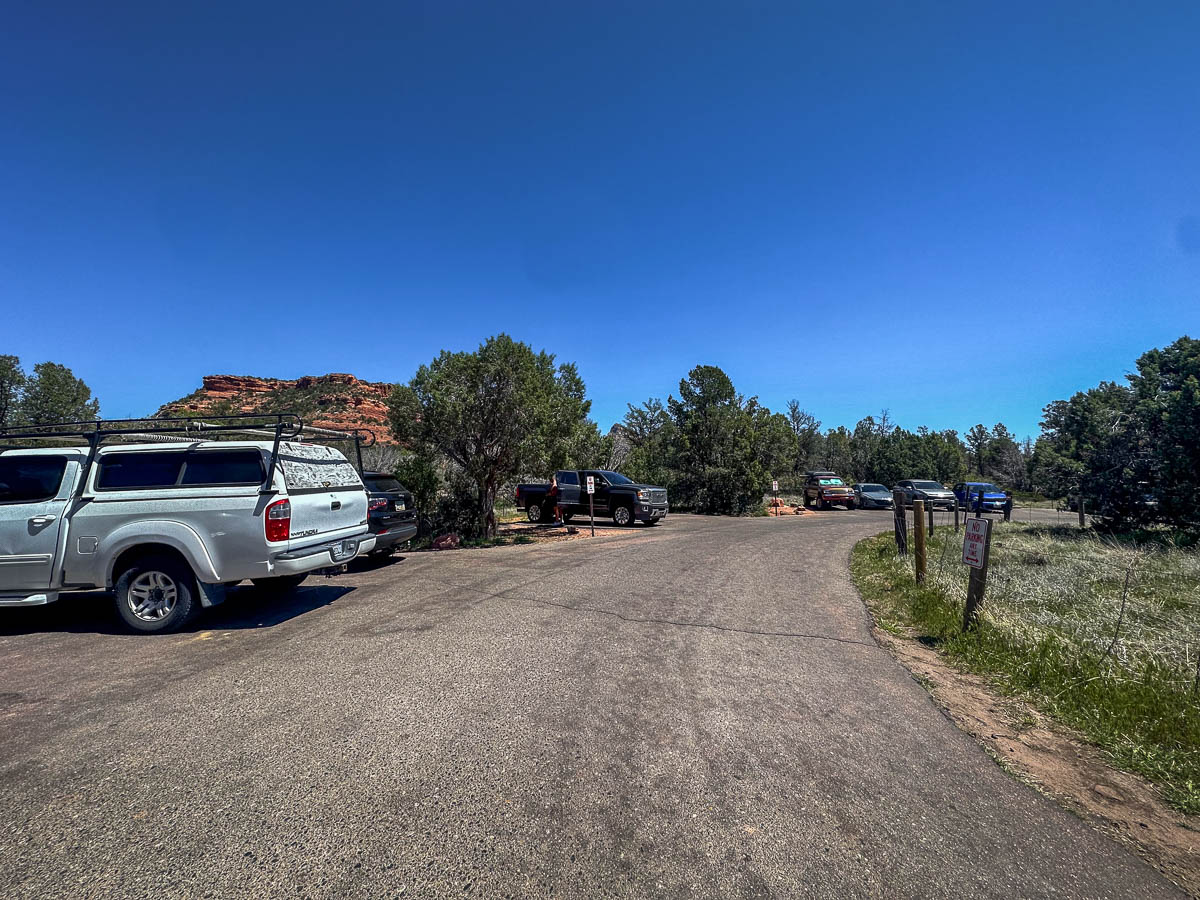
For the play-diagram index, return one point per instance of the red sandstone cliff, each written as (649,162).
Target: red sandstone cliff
(337,400)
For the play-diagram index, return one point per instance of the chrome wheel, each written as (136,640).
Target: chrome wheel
(534,512)
(622,516)
(152,596)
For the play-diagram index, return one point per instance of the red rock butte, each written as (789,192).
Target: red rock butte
(336,400)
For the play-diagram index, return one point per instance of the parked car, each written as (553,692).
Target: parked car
(915,489)
(616,496)
(167,527)
(967,492)
(824,489)
(391,516)
(871,496)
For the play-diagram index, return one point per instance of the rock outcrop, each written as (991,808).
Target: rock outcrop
(338,400)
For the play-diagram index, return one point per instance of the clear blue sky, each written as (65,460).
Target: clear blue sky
(798,193)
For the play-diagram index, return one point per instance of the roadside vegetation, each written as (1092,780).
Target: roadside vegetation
(1100,633)
(477,422)
(51,393)
(1132,450)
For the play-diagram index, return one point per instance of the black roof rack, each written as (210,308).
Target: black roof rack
(179,429)
(283,424)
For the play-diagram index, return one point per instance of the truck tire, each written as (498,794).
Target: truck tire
(156,594)
(534,512)
(281,584)
(623,515)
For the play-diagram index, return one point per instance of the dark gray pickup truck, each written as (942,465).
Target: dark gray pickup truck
(615,496)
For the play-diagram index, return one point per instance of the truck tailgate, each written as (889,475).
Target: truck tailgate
(326,515)
(327,497)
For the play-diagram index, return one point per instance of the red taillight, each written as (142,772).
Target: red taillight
(278,520)
(377,504)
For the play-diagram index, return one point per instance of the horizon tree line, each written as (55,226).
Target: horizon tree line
(472,423)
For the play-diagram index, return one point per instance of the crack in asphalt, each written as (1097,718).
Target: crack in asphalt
(708,626)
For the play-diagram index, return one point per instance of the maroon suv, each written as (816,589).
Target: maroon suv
(824,489)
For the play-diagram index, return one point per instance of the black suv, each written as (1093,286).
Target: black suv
(390,513)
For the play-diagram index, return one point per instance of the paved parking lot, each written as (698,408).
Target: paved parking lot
(697,708)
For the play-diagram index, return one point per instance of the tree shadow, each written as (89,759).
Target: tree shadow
(245,607)
(583,522)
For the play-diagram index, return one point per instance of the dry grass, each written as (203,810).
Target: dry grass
(1060,625)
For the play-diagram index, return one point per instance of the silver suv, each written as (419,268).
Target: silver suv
(168,527)
(928,491)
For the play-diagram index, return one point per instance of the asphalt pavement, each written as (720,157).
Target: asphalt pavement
(693,709)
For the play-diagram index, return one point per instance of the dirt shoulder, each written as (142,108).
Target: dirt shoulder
(1055,762)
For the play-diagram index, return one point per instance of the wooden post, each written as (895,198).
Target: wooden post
(1082,515)
(956,513)
(978,581)
(979,506)
(899,523)
(919,539)
(1008,506)
(930,515)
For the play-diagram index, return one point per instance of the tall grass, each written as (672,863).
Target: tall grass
(1102,634)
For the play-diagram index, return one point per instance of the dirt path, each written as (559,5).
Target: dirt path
(1056,762)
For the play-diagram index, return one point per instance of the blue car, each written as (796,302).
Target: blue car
(993,498)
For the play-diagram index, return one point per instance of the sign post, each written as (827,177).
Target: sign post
(977,547)
(591,489)
(775,491)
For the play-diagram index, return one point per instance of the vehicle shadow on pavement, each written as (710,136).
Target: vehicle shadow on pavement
(246,607)
(601,525)
(366,564)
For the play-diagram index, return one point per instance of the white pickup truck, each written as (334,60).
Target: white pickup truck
(167,527)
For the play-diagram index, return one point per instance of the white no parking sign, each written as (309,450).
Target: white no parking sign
(975,542)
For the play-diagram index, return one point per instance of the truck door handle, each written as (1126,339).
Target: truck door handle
(42,520)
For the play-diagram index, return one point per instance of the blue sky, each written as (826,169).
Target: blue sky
(956,212)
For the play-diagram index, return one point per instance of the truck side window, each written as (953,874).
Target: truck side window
(223,467)
(571,478)
(30,479)
(126,471)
